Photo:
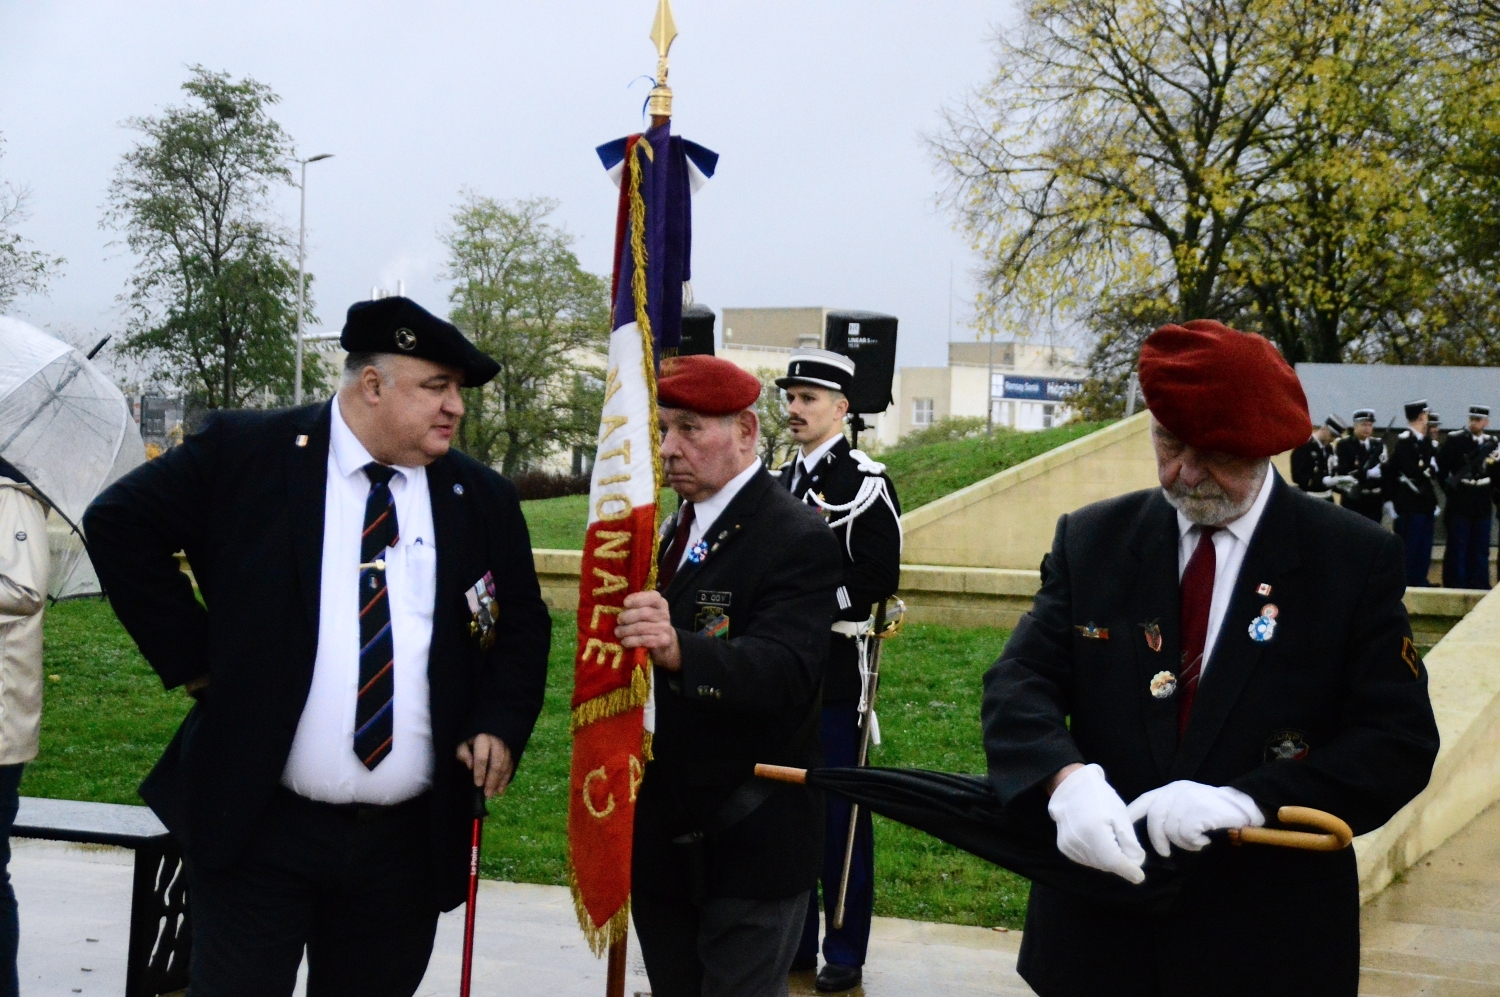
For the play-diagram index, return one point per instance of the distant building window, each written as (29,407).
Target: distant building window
(1047,411)
(921,411)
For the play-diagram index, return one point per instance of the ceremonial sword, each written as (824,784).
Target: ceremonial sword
(879,634)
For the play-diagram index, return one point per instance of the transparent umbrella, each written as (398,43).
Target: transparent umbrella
(68,429)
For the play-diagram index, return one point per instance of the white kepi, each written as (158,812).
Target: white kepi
(68,429)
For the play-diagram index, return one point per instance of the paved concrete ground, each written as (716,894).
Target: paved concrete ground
(75,904)
(1436,933)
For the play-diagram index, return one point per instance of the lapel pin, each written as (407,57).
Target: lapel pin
(1263,589)
(458,489)
(1163,684)
(1263,627)
(1153,635)
(698,552)
(301,441)
(1092,632)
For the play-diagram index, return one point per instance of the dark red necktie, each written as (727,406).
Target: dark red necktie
(666,569)
(1197,597)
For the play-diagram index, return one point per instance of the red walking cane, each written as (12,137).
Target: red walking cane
(480,813)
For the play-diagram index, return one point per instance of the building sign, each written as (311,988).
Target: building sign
(1033,389)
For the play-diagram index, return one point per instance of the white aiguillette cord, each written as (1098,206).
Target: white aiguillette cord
(871,490)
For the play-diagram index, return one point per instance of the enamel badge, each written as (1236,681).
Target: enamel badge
(1092,632)
(1163,684)
(1152,631)
(698,552)
(1263,627)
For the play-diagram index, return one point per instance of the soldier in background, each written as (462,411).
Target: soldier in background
(1360,456)
(1414,491)
(1435,428)
(1465,460)
(860,504)
(1314,463)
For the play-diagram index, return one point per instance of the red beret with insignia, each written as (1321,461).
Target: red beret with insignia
(707,385)
(1216,388)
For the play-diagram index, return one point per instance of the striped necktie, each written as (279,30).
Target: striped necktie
(377,681)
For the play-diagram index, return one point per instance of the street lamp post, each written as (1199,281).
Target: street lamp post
(301,259)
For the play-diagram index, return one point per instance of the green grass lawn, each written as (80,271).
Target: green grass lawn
(921,474)
(107,719)
(924,473)
(559,523)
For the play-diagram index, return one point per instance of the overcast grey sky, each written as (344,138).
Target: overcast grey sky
(825,194)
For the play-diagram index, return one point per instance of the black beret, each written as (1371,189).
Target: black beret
(401,326)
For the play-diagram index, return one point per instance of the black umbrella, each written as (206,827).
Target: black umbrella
(964,811)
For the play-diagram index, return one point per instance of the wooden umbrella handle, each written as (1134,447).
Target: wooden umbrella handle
(782,773)
(1336,834)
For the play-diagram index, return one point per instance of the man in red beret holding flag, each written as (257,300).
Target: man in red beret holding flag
(1200,655)
(738,631)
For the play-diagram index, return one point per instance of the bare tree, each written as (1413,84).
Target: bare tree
(23,270)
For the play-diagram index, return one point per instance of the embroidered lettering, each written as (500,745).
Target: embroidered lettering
(595,644)
(602,775)
(602,510)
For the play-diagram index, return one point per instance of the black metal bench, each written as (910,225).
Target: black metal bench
(161,936)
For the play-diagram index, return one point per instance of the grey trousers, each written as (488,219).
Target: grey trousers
(725,947)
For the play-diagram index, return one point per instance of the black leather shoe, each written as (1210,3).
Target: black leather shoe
(804,964)
(833,978)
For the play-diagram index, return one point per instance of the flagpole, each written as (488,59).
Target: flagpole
(659,103)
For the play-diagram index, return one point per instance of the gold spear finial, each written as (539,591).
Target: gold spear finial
(663,31)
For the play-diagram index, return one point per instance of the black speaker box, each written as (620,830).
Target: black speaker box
(869,339)
(697,330)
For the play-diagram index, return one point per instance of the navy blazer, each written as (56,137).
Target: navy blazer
(244,499)
(1331,712)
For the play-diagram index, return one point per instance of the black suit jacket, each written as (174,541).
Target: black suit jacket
(1331,713)
(1357,459)
(1414,488)
(772,565)
(245,501)
(1473,495)
(1311,463)
(871,556)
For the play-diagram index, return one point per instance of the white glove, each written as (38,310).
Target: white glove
(1373,474)
(1389,509)
(1182,813)
(1092,826)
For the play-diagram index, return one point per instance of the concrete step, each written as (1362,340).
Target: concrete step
(1436,931)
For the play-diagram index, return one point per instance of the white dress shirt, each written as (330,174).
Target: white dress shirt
(806,462)
(710,509)
(322,764)
(1230,545)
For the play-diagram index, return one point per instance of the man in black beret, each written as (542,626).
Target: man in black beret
(351,695)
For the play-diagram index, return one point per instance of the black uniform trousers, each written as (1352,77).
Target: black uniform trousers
(844,946)
(351,885)
(1466,559)
(1415,531)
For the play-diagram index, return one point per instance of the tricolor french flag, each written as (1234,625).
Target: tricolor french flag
(656,173)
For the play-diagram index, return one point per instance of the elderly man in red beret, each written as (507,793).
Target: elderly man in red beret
(738,631)
(1211,651)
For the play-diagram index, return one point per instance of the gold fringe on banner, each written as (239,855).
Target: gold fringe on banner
(612,703)
(648,364)
(599,937)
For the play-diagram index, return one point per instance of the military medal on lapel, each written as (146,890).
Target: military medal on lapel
(698,552)
(1263,627)
(1153,635)
(481,599)
(1163,684)
(1092,632)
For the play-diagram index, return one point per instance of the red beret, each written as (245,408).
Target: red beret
(1219,389)
(705,384)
